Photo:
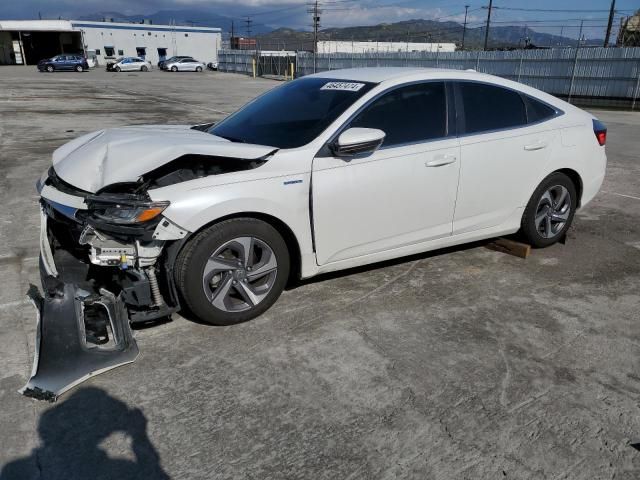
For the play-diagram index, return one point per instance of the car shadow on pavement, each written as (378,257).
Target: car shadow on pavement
(72,435)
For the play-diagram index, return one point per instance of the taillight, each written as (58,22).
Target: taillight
(600,130)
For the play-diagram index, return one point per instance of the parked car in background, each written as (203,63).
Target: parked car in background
(66,62)
(212,65)
(162,63)
(185,65)
(129,64)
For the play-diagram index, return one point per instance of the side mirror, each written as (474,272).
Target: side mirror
(355,141)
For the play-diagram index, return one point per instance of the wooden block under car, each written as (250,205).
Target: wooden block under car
(511,247)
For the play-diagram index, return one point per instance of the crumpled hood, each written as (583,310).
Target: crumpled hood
(116,155)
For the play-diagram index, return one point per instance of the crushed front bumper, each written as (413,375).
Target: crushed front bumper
(79,334)
(82,329)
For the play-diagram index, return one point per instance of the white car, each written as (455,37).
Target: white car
(371,164)
(130,64)
(185,65)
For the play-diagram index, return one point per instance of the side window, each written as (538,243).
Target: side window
(120,52)
(408,114)
(490,107)
(538,111)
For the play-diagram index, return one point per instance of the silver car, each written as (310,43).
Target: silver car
(185,65)
(131,64)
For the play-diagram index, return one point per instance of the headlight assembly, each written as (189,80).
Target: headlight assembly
(124,211)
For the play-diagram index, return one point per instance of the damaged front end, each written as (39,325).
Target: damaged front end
(106,263)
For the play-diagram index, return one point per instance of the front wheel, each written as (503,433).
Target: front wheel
(144,68)
(232,271)
(117,69)
(79,68)
(50,68)
(550,211)
(198,69)
(174,69)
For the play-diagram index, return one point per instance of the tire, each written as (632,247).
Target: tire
(550,211)
(174,69)
(198,69)
(79,68)
(214,282)
(117,69)
(144,68)
(50,68)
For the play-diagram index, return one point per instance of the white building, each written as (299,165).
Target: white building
(346,46)
(28,41)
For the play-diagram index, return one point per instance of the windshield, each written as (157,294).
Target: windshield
(291,115)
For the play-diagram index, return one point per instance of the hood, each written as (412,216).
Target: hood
(119,155)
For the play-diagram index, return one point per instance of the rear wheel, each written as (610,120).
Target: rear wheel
(233,271)
(550,211)
(174,69)
(50,68)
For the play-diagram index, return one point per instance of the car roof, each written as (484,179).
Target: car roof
(398,75)
(382,74)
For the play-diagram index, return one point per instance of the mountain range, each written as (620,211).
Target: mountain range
(189,17)
(417,30)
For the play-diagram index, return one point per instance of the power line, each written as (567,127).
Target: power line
(551,10)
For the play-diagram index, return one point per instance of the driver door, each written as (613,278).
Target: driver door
(402,194)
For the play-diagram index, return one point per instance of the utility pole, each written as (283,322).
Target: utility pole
(612,12)
(315,12)
(248,21)
(464,26)
(486,32)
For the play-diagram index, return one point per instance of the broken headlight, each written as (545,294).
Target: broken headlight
(125,210)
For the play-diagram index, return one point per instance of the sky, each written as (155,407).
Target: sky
(340,13)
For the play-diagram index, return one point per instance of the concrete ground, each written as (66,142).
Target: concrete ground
(464,364)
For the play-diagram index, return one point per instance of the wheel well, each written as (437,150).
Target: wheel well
(577,182)
(282,228)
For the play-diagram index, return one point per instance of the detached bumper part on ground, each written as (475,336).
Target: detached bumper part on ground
(79,334)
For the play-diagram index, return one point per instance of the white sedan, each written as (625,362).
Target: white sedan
(130,64)
(185,65)
(371,164)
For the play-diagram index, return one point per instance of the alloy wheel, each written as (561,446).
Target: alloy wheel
(553,211)
(240,274)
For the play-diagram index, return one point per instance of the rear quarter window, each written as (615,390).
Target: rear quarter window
(538,111)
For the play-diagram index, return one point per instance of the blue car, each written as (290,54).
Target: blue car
(68,62)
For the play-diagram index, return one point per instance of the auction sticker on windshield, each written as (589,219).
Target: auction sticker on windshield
(347,86)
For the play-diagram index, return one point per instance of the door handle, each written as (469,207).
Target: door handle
(440,160)
(535,146)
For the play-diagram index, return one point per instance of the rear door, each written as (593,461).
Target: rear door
(501,155)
